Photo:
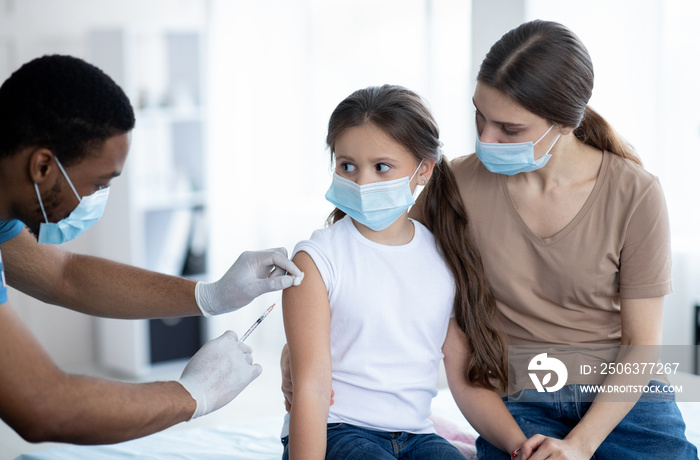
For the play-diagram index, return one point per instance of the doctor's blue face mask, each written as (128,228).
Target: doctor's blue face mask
(512,158)
(84,216)
(376,205)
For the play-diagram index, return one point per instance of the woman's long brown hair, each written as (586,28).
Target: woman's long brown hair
(405,117)
(544,67)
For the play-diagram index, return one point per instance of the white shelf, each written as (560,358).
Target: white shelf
(156,218)
(160,200)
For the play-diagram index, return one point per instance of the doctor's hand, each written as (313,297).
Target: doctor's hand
(253,274)
(218,372)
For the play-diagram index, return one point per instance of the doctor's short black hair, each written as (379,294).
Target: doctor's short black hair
(64,104)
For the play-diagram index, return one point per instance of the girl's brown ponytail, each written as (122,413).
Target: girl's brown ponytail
(474,304)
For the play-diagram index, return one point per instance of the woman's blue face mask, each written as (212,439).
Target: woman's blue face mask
(84,216)
(512,158)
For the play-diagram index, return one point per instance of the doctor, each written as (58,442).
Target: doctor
(64,135)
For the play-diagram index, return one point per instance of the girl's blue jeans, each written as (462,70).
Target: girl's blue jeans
(653,429)
(348,442)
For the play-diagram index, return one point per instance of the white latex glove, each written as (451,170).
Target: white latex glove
(218,372)
(252,274)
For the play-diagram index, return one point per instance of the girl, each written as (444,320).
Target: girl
(383,298)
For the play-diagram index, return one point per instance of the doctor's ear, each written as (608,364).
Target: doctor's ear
(41,165)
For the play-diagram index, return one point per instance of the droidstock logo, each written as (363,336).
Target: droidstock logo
(542,363)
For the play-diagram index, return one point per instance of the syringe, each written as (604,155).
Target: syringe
(259,320)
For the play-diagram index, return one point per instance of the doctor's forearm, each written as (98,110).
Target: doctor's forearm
(93,285)
(105,288)
(82,410)
(43,403)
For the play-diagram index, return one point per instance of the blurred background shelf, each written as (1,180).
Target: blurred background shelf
(158,221)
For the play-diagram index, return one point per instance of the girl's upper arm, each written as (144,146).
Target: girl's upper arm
(306,313)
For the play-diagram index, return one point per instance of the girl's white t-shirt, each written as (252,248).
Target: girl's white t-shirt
(390,308)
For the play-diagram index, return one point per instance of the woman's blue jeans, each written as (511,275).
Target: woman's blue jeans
(348,442)
(653,429)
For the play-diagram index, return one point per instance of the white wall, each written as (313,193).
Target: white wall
(278,69)
(645,60)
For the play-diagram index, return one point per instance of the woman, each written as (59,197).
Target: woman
(574,238)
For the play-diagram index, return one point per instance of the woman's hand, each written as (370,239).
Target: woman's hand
(287,387)
(540,447)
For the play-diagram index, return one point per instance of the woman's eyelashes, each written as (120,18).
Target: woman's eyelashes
(508,132)
(480,121)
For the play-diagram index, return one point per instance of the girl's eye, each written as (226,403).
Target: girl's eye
(347,167)
(383,167)
(508,132)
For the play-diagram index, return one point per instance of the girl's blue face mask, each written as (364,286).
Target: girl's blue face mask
(512,158)
(376,205)
(84,216)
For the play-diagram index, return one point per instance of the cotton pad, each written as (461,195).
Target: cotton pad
(297,279)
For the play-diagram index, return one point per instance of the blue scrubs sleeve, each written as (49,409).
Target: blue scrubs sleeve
(8,230)
(3,288)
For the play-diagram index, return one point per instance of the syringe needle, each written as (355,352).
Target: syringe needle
(257,323)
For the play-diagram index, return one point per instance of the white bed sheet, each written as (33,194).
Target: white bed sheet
(259,440)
